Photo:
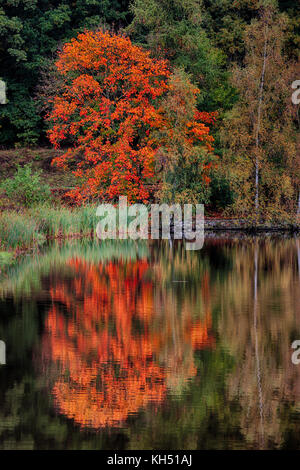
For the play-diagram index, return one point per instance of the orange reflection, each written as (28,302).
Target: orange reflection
(113,356)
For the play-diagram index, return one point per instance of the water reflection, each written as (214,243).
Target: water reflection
(262,318)
(125,345)
(118,344)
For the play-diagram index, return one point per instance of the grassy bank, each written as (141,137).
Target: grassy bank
(32,227)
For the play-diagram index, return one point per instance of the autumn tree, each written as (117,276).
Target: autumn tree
(185,163)
(260,132)
(108,111)
(105,110)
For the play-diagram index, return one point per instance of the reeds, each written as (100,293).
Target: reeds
(19,230)
(32,227)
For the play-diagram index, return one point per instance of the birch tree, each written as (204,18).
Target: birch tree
(260,132)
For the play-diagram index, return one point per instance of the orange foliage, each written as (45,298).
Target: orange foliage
(109,107)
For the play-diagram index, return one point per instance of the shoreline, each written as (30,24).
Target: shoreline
(31,228)
(238,225)
(209,232)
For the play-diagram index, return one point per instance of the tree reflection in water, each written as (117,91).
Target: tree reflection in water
(114,352)
(133,346)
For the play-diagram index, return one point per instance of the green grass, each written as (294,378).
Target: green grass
(19,230)
(65,221)
(30,228)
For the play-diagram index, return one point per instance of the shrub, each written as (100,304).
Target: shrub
(26,187)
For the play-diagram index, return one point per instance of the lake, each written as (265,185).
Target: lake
(144,345)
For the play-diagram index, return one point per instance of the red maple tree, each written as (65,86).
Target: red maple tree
(106,111)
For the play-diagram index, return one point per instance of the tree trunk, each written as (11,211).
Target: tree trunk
(260,100)
(298,256)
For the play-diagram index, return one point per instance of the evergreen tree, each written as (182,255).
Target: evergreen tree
(175,29)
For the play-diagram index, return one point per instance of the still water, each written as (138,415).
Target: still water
(125,345)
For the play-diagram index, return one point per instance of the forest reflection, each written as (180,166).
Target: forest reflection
(153,346)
